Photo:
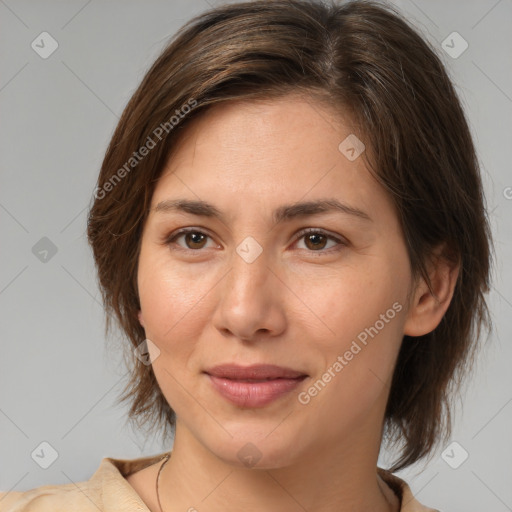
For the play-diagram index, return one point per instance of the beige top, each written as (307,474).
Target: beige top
(108,491)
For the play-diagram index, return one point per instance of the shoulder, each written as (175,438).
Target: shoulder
(46,498)
(408,503)
(108,490)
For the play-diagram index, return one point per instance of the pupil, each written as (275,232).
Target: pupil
(318,243)
(195,237)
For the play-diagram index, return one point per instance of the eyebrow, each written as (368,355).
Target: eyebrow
(280,214)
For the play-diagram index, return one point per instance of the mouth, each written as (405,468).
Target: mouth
(253,386)
(254,372)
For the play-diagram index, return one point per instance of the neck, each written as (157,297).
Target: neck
(324,480)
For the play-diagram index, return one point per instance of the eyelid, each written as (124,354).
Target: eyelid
(341,241)
(322,231)
(168,239)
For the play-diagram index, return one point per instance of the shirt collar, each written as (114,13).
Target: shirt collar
(110,479)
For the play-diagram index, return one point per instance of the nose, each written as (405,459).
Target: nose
(251,301)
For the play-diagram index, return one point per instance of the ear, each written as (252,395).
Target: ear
(141,319)
(426,310)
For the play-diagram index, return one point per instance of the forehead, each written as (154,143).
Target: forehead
(264,153)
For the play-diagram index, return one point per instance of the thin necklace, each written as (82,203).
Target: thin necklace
(168,456)
(158,478)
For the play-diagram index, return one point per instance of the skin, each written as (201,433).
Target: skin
(297,305)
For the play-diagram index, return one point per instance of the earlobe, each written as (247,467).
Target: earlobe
(141,319)
(427,310)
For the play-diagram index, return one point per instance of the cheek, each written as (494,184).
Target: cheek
(362,306)
(349,299)
(358,359)
(173,308)
(172,298)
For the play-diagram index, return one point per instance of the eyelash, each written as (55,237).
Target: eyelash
(169,240)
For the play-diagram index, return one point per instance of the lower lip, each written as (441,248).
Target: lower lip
(254,394)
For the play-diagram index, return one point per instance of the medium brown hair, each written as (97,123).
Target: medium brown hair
(360,57)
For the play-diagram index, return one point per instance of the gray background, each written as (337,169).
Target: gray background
(58,377)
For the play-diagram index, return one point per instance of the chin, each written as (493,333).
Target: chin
(258,451)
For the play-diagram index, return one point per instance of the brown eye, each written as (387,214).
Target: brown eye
(315,241)
(193,239)
(318,241)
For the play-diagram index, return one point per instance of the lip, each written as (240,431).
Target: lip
(254,386)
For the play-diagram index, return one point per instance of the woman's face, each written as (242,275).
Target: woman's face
(248,286)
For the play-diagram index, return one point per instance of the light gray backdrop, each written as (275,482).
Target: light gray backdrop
(58,382)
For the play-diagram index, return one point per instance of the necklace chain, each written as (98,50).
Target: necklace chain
(167,457)
(158,479)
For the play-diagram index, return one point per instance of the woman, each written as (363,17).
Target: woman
(289,226)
